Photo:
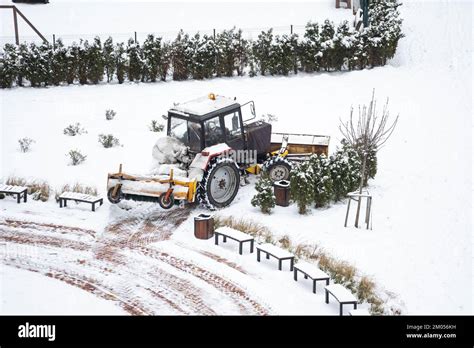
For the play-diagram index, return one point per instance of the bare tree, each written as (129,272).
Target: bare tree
(367,134)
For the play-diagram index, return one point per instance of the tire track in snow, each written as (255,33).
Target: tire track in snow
(139,286)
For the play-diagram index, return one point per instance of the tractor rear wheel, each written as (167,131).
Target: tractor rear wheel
(220,183)
(277,168)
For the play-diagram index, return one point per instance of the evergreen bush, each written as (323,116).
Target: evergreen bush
(265,198)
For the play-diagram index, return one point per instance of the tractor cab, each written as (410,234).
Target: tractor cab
(214,119)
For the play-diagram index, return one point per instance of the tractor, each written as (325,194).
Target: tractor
(212,144)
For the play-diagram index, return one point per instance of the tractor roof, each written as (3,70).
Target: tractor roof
(205,107)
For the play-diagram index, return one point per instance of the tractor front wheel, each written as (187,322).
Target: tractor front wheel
(220,183)
(277,168)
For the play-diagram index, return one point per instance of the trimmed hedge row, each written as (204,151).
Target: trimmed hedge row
(323,47)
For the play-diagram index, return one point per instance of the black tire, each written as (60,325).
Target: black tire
(277,168)
(114,199)
(166,203)
(220,183)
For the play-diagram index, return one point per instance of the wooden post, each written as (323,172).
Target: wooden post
(291,29)
(31,25)
(135,37)
(54,42)
(15,24)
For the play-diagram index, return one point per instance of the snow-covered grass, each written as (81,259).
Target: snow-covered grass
(420,246)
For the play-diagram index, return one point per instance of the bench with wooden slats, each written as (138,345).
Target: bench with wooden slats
(18,191)
(79,197)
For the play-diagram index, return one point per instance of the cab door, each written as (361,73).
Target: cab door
(234,136)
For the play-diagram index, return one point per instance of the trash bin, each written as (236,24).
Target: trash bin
(281,190)
(203,226)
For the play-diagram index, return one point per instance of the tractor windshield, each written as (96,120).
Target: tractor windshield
(187,132)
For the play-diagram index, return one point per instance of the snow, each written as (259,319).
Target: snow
(204,105)
(420,247)
(28,293)
(311,270)
(274,250)
(234,234)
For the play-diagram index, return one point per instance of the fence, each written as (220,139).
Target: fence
(248,33)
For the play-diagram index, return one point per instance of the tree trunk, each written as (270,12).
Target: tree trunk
(359,202)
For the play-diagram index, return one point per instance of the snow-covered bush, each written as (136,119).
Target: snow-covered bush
(38,189)
(108,140)
(120,59)
(76,157)
(322,180)
(110,114)
(25,144)
(109,58)
(232,52)
(155,126)
(74,129)
(181,56)
(135,61)
(265,198)
(154,57)
(345,171)
(302,186)
(203,57)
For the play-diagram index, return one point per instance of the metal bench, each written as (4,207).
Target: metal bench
(279,254)
(310,271)
(19,191)
(341,294)
(79,197)
(240,237)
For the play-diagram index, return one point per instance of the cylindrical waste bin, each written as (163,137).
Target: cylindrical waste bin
(203,226)
(281,189)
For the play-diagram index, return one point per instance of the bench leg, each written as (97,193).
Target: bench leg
(65,202)
(327,296)
(305,276)
(60,203)
(292,261)
(240,248)
(251,246)
(258,255)
(314,286)
(327,282)
(18,198)
(340,309)
(295,272)
(216,239)
(279,264)
(93,206)
(225,239)
(101,201)
(355,305)
(25,195)
(268,256)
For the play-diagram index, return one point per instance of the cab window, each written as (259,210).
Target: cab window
(214,133)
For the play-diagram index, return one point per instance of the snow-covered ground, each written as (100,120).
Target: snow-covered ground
(28,293)
(420,247)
